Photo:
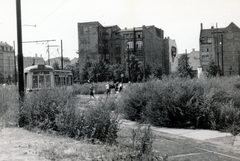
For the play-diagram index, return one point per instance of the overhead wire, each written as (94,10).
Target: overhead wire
(52,12)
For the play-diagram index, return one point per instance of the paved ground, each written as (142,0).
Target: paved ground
(180,144)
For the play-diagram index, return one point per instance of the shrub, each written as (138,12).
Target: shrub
(183,102)
(57,110)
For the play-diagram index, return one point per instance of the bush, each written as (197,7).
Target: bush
(57,110)
(183,102)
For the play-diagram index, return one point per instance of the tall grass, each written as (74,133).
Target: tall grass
(9,108)
(84,89)
(190,103)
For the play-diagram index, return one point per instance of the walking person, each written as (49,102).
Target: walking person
(91,92)
(116,87)
(120,87)
(108,89)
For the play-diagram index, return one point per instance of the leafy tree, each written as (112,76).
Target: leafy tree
(157,70)
(134,67)
(184,69)
(101,69)
(56,65)
(85,69)
(212,69)
(75,70)
(116,70)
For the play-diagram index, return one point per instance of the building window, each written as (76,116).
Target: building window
(107,56)
(130,45)
(127,36)
(131,36)
(138,34)
(139,44)
(209,40)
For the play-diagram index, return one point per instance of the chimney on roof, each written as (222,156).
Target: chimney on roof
(36,55)
(125,28)
(193,49)
(40,55)
(201,26)
(216,25)
(212,27)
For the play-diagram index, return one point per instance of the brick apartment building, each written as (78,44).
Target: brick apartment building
(114,45)
(221,46)
(7,65)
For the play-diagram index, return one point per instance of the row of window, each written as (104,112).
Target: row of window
(6,48)
(130,36)
(139,45)
(206,40)
(205,57)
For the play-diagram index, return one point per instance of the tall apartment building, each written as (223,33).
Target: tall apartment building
(7,65)
(114,45)
(221,46)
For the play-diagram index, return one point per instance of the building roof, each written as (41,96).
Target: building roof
(65,59)
(208,32)
(5,44)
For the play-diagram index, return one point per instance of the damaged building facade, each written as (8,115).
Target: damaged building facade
(114,45)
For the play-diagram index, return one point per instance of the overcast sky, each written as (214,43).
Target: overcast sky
(57,20)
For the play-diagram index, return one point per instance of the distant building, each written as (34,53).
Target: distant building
(29,61)
(221,46)
(74,61)
(7,65)
(194,60)
(114,45)
(66,61)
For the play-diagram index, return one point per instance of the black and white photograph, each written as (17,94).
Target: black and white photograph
(119,80)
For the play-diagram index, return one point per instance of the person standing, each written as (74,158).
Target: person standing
(108,89)
(91,91)
(120,87)
(116,87)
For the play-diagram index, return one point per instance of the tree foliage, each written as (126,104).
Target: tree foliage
(116,70)
(184,69)
(157,70)
(212,69)
(56,65)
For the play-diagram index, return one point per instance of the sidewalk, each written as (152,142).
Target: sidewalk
(211,136)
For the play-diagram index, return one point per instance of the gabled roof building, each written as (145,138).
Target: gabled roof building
(221,46)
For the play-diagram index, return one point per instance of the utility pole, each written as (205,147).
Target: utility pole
(222,53)
(61,55)
(134,41)
(20,54)
(15,69)
(128,64)
(47,46)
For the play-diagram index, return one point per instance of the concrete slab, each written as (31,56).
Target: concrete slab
(197,134)
(237,141)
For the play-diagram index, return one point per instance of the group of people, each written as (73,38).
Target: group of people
(118,88)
